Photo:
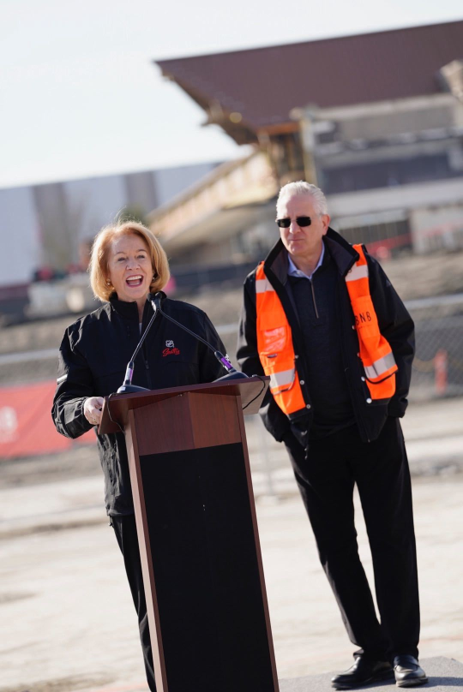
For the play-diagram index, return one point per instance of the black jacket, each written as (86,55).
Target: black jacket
(395,325)
(92,360)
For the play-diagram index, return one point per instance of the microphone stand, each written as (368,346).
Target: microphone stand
(127,387)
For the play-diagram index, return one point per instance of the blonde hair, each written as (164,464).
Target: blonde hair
(98,267)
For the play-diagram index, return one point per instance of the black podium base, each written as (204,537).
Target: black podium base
(207,577)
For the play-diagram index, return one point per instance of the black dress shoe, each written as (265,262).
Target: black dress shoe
(361,673)
(408,672)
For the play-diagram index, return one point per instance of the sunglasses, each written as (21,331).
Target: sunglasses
(302,221)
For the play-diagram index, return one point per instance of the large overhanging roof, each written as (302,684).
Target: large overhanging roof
(252,91)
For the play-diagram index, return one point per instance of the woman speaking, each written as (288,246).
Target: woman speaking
(127,264)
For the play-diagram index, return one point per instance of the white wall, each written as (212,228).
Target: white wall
(94,202)
(19,236)
(404,197)
(437,228)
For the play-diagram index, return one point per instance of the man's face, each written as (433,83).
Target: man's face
(302,242)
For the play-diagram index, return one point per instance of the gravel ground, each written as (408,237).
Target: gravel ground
(67,621)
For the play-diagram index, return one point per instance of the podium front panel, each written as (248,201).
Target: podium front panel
(187,421)
(211,609)
(199,543)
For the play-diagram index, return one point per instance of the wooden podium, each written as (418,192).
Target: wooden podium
(199,544)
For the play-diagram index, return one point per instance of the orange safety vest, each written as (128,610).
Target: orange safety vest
(276,350)
(375,352)
(275,346)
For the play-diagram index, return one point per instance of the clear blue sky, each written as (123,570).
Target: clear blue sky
(80,95)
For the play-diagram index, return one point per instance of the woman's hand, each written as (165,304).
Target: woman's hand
(92,409)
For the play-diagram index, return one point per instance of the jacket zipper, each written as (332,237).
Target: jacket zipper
(357,415)
(314,301)
(147,366)
(143,356)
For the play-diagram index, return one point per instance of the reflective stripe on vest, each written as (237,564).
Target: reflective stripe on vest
(375,352)
(275,346)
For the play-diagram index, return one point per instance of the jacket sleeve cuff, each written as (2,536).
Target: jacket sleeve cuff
(396,409)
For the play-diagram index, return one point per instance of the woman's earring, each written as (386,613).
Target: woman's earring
(108,282)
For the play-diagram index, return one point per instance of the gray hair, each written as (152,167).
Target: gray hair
(301,187)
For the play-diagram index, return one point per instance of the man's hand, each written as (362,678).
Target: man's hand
(92,409)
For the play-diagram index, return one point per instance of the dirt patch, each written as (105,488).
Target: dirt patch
(11,597)
(68,684)
(79,462)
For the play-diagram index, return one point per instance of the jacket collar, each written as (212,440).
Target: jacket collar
(129,311)
(341,251)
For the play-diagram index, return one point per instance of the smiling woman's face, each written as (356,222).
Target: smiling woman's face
(129,268)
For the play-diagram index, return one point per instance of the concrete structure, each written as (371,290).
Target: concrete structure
(223,217)
(393,170)
(382,135)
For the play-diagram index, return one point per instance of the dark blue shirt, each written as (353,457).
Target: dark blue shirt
(315,301)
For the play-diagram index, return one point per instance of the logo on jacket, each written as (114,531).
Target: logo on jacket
(170,349)
(363,318)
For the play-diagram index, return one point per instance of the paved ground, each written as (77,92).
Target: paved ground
(444,675)
(67,621)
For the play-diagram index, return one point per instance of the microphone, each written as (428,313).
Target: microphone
(127,387)
(232,373)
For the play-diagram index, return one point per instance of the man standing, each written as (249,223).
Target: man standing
(321,318)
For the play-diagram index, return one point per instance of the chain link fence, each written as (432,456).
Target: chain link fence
(438,364)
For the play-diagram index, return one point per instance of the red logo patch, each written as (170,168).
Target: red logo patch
(170,352)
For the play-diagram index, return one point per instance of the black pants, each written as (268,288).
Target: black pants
(326,478)
(126,534)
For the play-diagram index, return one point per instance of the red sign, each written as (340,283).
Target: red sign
(26,427)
